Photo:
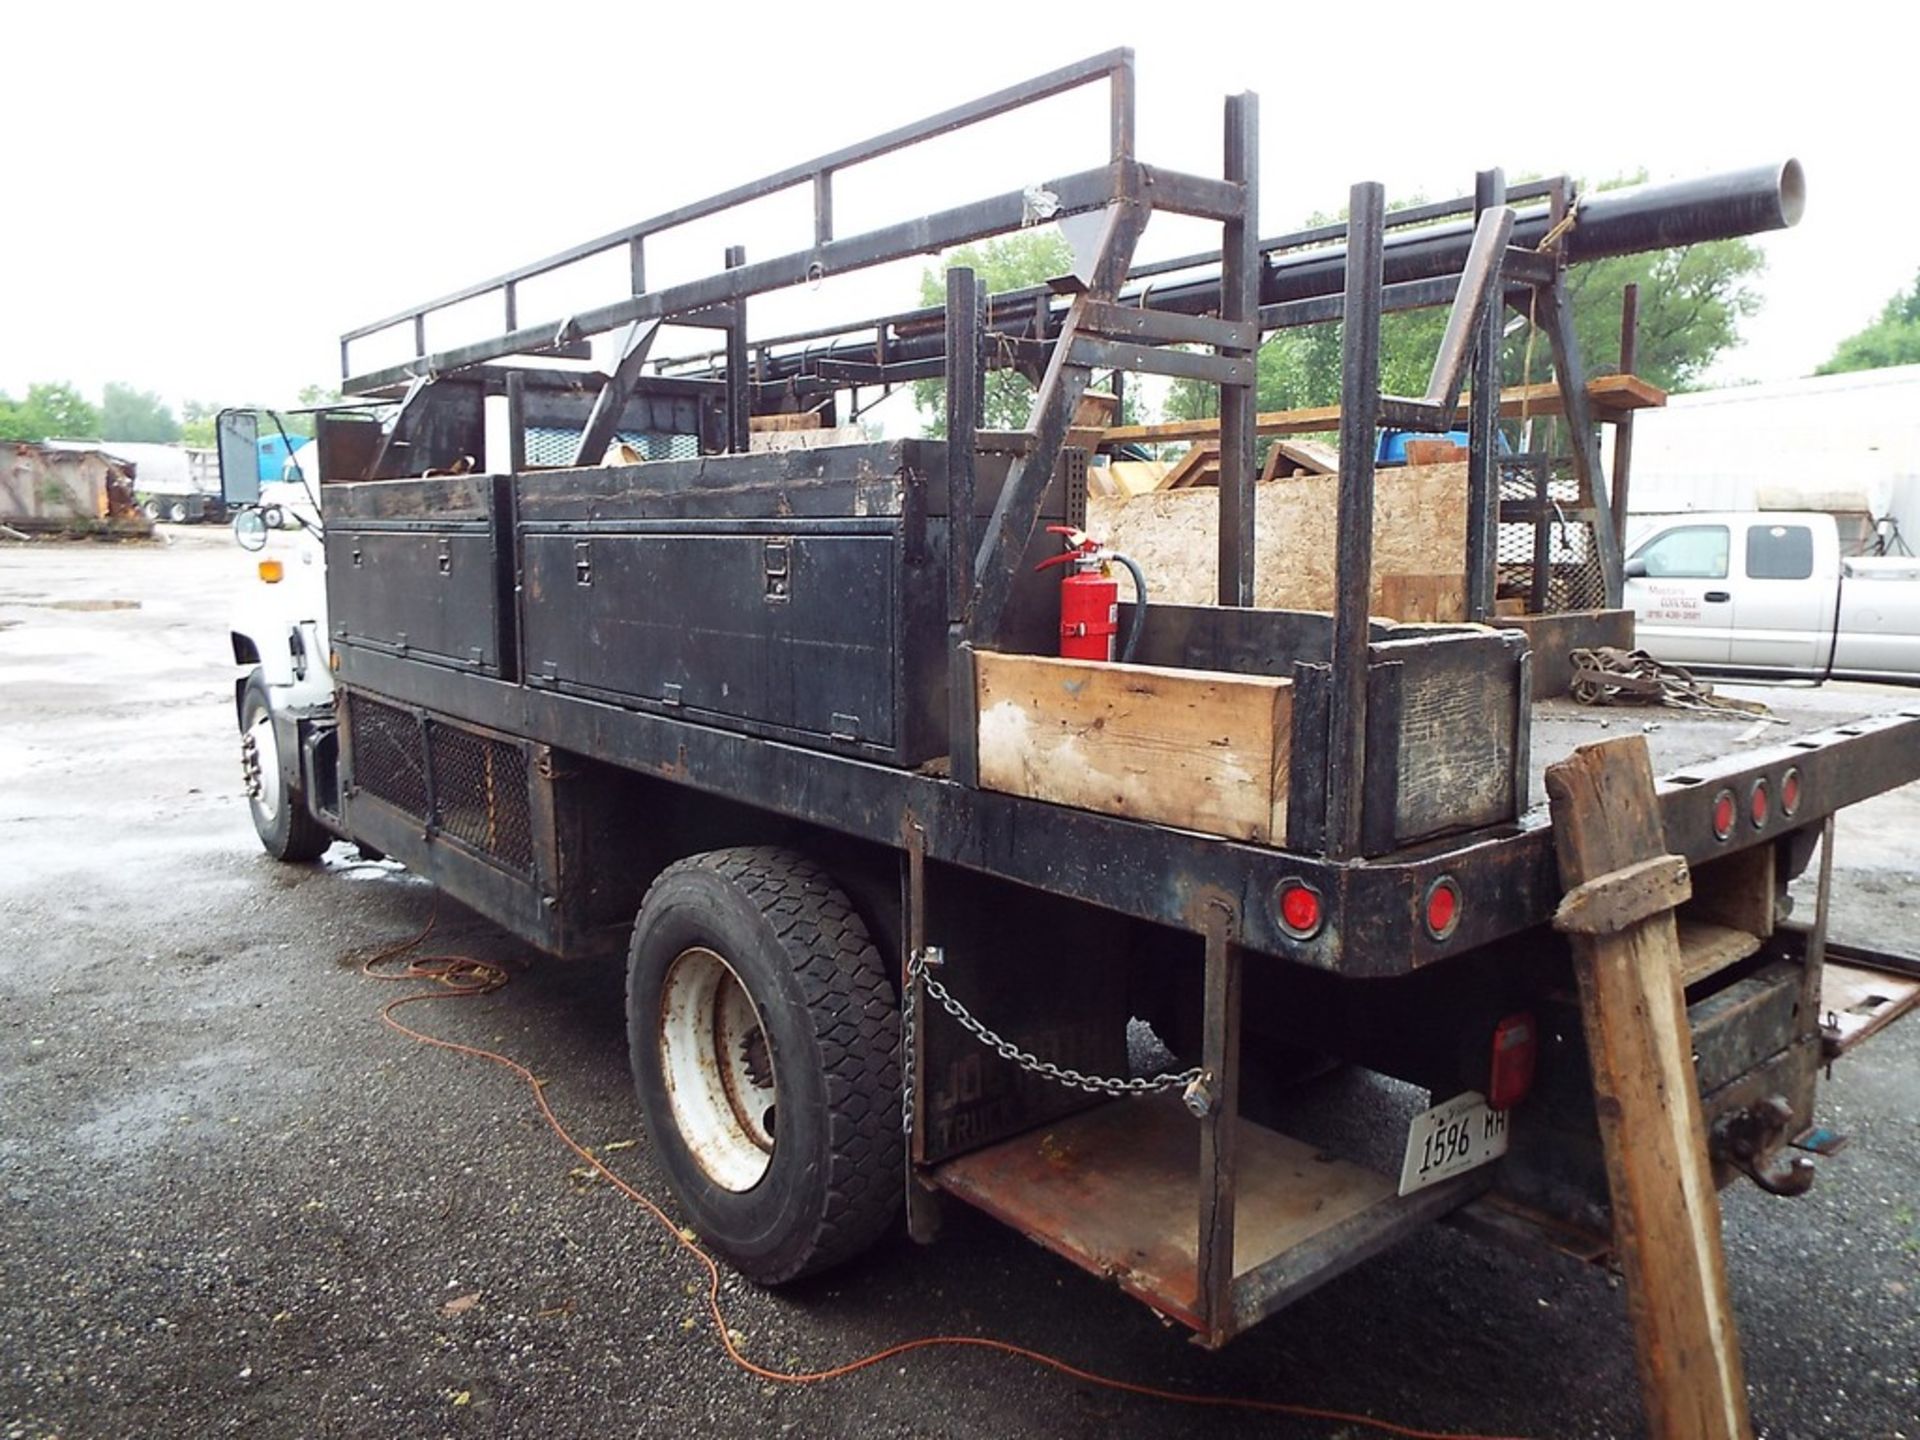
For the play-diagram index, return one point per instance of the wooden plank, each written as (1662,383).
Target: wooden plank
(804,420)
(1608,904)
(1735,891)
(1856,1002)
(1666,1215)
(1313,456)
(1609,395)
(1420,599)
(1706,947)
(1198,749)
(1198,466)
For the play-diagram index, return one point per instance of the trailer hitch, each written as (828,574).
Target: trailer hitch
(1751,1139)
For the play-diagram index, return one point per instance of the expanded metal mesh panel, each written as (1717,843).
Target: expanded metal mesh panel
(554,445)
(1574,579)
(389,761)
(480,793)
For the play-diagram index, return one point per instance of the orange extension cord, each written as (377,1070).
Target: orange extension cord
(457,977)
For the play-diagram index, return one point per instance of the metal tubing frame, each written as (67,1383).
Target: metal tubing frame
(1301,274)
(1582,439)
(1115,66)
(1353,575)
(966,397)
(1483,432)
(1623,426)
(1219,1126)
(1239,402)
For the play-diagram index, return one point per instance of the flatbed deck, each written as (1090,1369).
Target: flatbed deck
(1680,739)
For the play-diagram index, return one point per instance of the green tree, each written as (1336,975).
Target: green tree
(196,423)
(1893,339)
(50,411)
(1007,262)
(1692,301)
(130,414)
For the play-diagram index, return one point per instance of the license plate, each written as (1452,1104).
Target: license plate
(1451,1138)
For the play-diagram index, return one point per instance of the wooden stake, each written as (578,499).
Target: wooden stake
(1666,1215)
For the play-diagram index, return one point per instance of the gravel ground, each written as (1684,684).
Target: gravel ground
(230,1201)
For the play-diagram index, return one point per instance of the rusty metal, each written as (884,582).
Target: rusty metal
(1751,1139)
(1219,1181)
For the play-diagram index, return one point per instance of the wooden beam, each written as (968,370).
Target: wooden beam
(1610,396)
(1666,1214)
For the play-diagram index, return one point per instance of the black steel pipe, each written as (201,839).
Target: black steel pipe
(1628,221)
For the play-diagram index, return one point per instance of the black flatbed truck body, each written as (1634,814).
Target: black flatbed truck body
(553,681)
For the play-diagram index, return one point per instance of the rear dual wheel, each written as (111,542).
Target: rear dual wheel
(764,1035)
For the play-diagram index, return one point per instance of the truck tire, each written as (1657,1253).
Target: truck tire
(764,1035)
(287,829)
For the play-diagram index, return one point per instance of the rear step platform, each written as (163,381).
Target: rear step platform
(1116,1190)
(1862,992)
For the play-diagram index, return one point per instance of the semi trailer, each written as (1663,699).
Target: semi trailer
(898,874)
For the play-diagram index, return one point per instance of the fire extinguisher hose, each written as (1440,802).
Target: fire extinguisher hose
(1139,607)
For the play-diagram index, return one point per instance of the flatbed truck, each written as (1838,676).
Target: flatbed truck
(791,730)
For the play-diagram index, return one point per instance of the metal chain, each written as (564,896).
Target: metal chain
(909,1042)
(1007,1050)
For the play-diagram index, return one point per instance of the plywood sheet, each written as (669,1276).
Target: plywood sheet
(1194,748)
(1419,530)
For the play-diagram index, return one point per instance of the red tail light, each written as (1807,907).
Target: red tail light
(1790,792)
(1759,802)
(1299,907)
(1443,907)
(1724,811)
(1515,1048)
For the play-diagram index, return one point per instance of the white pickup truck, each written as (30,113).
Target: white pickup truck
(1768,594)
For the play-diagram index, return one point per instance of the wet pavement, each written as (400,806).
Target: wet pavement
(231,1202)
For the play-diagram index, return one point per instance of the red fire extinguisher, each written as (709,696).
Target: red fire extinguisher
(1090,597)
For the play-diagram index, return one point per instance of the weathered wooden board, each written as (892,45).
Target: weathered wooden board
(1608,396)
(1666,1214)
(1419,535)
(1198,749)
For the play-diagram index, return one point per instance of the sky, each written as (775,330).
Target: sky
(200,198)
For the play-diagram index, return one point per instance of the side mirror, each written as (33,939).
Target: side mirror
(250,529)
(238,433)
(1635,569)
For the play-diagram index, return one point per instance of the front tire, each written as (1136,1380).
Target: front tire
(764,1036)
(286,828)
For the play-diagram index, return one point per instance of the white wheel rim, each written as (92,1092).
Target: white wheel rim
(266,755)
(718,1069)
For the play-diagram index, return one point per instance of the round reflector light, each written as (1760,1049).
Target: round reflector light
(1299,909)
(1758,804)
(1724,812)
(1790,791)
(1443,907)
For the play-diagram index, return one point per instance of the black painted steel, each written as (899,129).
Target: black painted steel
(1353,573)
(1239,300)
(1305,273)
(1483,439)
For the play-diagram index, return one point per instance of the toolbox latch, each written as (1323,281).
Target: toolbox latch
(777,558)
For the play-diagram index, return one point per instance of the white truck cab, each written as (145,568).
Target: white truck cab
(1767,593)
